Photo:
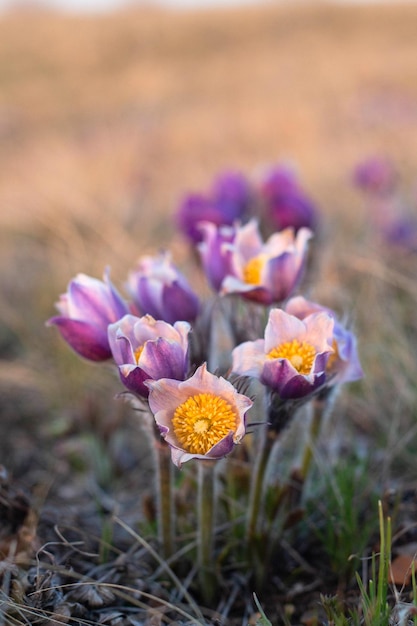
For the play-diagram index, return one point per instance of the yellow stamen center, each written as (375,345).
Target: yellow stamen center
(202,421)
(300,354)
(138,352)
(252,272)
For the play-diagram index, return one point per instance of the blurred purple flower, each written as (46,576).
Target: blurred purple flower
(232,193)
(287,205)
(160,290)
(376,176)
(264,272)
(194,209)
(216,252)
(226,202)
(86,310)
(144,348)
(343,365)
(292,358)
(202,417)
(401,232)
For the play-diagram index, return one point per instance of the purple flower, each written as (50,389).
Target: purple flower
(226,202)
(287,205)
(202,417)
(216,252)
(144,348)
(231,193)
(265,272)
(376,176)
(343,365)
(291,360)
(159,289)
(86,310)
(194,209)
(400,231)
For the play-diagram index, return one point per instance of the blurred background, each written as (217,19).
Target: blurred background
(108,117)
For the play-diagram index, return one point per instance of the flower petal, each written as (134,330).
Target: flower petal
(133,378)
(282,327)
(248,358)
(179,303)
(163,359)
(88,340)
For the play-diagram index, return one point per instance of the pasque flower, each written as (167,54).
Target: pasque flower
(145,348)
(292,358)
(216,252)
(86,310)
(225,202)
(286,203)
(400,231)
(159,289)
(376,176)
(343,365)
(264,272)
(232,194)
(202,417)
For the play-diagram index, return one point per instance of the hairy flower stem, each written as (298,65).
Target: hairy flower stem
(278,418)
(165,499)
(266,442)
(319,407)
(256,540)
(206,512)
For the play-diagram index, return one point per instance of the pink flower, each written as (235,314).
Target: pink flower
(266,272)
(159,289)
(291,360)
(202,417)
(343,365)
(216,252)
(144,348)
(86,310)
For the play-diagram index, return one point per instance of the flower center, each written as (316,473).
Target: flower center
(138,352)
(334,356)
(299,353)
(202,421)
(253,270)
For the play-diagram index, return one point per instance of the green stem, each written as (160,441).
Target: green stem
(206,513)
(165,499)
(319,406)
(384,560)
(265,443)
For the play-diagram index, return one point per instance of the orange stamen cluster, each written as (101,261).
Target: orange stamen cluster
(252,272)
(138,352)
(202,421)
(300,354)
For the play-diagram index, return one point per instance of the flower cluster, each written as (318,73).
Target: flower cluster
(276,198)
(190,361)
(228,200)
(151,335)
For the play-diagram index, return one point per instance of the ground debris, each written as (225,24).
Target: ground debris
(93,595)
(18,522)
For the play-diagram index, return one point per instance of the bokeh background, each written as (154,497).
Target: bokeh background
(107,119)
